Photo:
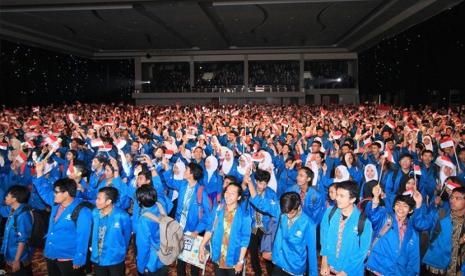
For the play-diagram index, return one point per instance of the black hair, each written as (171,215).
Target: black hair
(261,175)
(289,201)
(20,193)
(196,171)
(100,158)
(459,190)
(368,188)
(309,174)
(343,161)
(74,153)
(66,185)
(147,174)
(427,151)
(349,186)
(405,155)
(403,184)
(146,196)
(111,193)
(316,141)
(240,191)
(231,178)
(81,167)
(406,199)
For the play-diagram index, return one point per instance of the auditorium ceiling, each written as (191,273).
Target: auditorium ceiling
(95,28)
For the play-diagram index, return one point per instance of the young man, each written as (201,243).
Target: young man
(396,247)
(444,255)
(229,231)
(344,246)
(148,234)
(111,233)
(67,239)
(191,214)
(294,247)
(15,248)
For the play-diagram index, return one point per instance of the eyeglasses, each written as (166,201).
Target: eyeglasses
(457,197)
(57,191)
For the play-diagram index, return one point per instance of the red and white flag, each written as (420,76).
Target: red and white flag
(447,143)
(3,146)
(408,192)
(120,143)
(452,185)
(97,125)
(168,154)
(391,124)
(29,144)
(388,155)
(72,118)
(337,134)
(105,148)
(96,143)
(417,169)
(21,157)
(70,170)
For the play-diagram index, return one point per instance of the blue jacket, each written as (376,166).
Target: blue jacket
(354,247)
(388,256)
(438,254)
(116,239)
(12,236)
(286,178)
(77,234)
(294,247)
(148,242)
(198,212)
(214,186)
(239,235)
(314,203)
(269,195)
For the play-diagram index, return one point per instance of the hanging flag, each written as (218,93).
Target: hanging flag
(417,169)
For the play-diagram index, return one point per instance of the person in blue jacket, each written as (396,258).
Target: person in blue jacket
(262,222)
(193,210)
(148,234)
(111,232)
(395,177)
(344,246)
(395,250)
(229,230)
(65,256)
(443,256)
(294,247)
(18,229)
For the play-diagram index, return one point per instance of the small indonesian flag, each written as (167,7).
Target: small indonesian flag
(97,124)
(51,139)
(3,146)
(408,192)
(105,148)
(337,134)
(388,155)
(120,143)
(21,158)
(29,144)
(417,169)
(108,123)
(168,154)
(367,142)
(447,143)
(443,160)
(323,112)
(391,124)
(96,143)
(452,185)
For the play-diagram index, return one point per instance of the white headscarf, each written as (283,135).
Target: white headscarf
(443,176)
(345,174)
(214,165)
(248,161)
(181,169)
(226,165)
(375,177)
(430,145)
(267,165)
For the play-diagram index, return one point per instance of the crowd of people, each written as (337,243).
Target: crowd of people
(274,73)
(303,190)
(170,77)
(223,75)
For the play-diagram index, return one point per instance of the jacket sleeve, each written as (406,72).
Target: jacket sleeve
(324,228)
(83,229)
(24,230)
(44,189)
(143,244)
(377,215)
(246,229)
(263,205)
(206,211)
(422,219)
(170,182)
(126,226)
(311,250)
(413,267)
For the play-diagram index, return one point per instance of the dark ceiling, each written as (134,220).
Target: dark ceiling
(89,27)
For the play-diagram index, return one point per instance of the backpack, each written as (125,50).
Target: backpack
(171,236)
(77,210)
(40,220)
(360,224)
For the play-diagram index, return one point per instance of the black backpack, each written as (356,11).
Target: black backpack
(40,220)
(360,225)
(77,210)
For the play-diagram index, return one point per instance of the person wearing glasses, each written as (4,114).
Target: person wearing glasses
(67,239)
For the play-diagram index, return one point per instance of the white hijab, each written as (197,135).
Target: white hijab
(214,165)
(267,165)
(375,177)
(226,165)
(430,145)
(443,176)
(345,174)
(248,161)
(181,169)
